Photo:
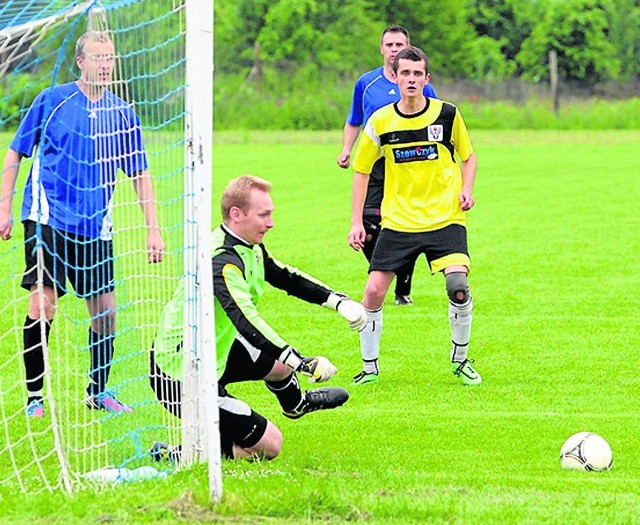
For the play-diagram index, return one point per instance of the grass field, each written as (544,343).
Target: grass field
(554,244)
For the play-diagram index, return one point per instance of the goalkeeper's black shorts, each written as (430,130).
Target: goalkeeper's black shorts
(239,423)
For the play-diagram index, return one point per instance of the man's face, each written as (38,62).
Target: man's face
(97,62)
(392,43)
(411,77)
(252,223)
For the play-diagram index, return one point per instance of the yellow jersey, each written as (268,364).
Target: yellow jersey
(422,177)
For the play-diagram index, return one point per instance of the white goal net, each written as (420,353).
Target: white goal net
(103,167)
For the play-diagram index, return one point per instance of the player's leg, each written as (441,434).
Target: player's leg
(375,291)
(244,433)
(460,317)
(41,309)
(448,253)
(91,273)
(247,363)
(167,389)
(403,284)
(393,250)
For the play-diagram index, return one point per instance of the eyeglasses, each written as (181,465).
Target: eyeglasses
(95,57)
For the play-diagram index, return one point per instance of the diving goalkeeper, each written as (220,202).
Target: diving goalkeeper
(248,349)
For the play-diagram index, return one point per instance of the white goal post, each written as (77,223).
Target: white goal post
(162,74)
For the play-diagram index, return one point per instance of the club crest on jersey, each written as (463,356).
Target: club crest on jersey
(415,153)
(434,133)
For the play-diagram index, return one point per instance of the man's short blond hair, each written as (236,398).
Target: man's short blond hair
(91,36)
(238,192)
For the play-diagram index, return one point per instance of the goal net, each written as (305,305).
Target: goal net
(105,144)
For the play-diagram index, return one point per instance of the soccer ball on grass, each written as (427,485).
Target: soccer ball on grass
(586,451)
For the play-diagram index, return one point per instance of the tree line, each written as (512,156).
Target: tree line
(487,40)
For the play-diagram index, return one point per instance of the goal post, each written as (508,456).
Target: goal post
(200,440)
(158,113)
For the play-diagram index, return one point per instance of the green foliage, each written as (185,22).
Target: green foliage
(16,95)
(490,64)
(473,39)
(624,33)
(577,31)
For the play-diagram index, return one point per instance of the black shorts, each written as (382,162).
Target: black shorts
(442,248)
(239,423)
(245,363)
(86,263)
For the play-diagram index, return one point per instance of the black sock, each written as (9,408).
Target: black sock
(33,355)
(287,391)
(101,349)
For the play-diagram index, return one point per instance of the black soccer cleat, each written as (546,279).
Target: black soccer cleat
(319,399)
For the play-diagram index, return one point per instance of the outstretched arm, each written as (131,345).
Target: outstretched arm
(146,196)
(303,286)
(233,295)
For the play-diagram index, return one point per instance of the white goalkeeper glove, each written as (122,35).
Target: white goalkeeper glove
(318,369)
(352,311)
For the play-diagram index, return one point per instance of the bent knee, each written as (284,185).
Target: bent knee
(457,287)
(269,446)
(275,442)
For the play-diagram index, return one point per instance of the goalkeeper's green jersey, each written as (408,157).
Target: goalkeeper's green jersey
(240,273)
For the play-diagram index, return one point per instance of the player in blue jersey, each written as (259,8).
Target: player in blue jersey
(79,134)
(372,91)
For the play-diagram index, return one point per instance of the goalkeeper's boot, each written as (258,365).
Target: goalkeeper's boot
(466,372)
(163,451)
(35,408)
(319,399)
(106,401)
(365,378)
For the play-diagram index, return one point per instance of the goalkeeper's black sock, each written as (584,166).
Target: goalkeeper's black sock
(101,349)
(288,392)
(33,356)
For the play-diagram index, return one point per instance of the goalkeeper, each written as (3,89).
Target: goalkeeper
(248,349)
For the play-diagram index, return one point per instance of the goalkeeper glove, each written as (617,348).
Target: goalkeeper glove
(319,369)
(352,311)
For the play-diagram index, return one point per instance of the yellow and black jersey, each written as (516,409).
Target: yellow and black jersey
(423,179)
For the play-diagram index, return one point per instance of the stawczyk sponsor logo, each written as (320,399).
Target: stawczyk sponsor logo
(415,153)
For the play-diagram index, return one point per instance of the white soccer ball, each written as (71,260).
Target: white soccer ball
(586,451)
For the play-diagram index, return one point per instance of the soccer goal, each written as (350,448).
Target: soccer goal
(110,145)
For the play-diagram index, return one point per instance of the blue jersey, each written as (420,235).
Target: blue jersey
(79,146)
(372,91)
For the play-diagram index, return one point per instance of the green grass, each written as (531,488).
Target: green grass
(554,246)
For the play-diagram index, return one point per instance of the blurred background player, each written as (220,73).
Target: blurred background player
(372,91)
(81,134)
(248,349)
(426,195)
